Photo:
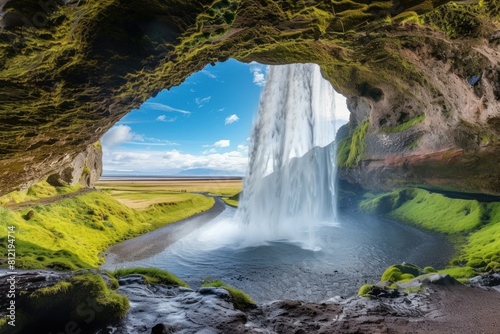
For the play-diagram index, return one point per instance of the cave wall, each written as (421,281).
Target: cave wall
(69,70)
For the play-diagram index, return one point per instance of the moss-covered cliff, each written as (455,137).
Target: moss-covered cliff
(70,69)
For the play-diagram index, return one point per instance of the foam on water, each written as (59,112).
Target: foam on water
(290,183)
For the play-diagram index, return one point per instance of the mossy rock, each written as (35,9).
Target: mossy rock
(400,272)
(241,300)
(84,300)
(429,270)
(365,290)
(151,276)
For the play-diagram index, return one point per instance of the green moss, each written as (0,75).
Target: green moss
(400,272)
(365,290)
(152,276)
(459,272)
(483,246)
(456,20)
(429,270)
(404,126)
(83,299)
(428,210)
(352,149)
(241,300)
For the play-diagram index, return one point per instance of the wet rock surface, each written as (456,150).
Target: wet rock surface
(161,309)
(444,308)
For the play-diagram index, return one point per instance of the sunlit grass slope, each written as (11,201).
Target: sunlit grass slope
(37,191)
(70,234)
(475,222)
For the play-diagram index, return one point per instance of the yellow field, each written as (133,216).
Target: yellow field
(141,194)
(215,187)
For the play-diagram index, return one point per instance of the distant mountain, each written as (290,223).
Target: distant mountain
(209,172)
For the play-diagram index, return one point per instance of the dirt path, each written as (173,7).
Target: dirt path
(48,200)
(156,241)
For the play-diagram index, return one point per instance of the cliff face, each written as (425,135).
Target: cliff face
(69,70)
(444,133)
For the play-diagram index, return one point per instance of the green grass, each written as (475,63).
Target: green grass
(459,272)
(37,191)
(427,210)
(241,300)
(71,234)
(483,246)
(84,299)
(404,126)
(151,276)
(230,202)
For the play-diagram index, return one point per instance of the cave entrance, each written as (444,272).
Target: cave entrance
(200,127)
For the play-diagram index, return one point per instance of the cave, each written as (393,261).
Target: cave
(70,70)
(421,82)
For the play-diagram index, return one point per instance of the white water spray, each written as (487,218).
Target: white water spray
(290,184)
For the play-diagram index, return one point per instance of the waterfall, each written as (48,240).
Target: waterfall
(290,184)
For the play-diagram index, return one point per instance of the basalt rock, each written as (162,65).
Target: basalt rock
(69,70)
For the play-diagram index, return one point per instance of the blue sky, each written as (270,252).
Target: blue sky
(203,123)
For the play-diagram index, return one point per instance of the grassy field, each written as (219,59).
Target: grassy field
(72,233)
(213,187)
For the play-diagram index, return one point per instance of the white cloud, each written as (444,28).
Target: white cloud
(118,134)
(164,107)
(209,74)
(210,151)
(243,148)
(164,118)
(221,109)
(231,119)
(222,143)
(202,101)
(171,161)
(259,76)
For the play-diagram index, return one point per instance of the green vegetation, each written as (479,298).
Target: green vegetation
(241,300)
(84,299)
(404,126)
(351,150)
(400,272)
(37,191)
(429,270)
(427,210)
(459,272)
(151,276)
(233,200)
(365,290)
(475,225)
(71,234)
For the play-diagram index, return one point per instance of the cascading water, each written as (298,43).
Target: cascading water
(290,183)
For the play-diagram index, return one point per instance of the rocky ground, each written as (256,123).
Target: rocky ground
(439,308)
